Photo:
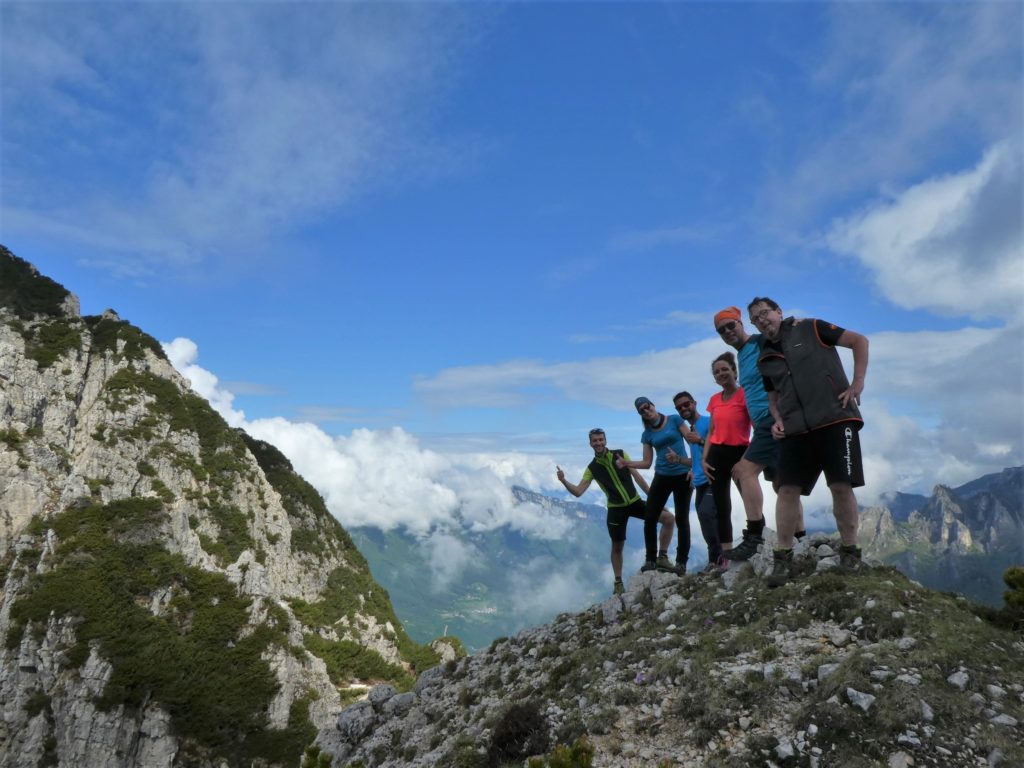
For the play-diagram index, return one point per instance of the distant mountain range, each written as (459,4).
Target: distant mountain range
(958,539)
(509,582)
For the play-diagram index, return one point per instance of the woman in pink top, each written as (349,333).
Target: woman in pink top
(727,439)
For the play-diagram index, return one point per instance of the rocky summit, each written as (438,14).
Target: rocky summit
(833,669)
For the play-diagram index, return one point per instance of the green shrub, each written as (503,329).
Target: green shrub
(51,341)
(25,292)
(346,660)
(198,659)
(520,730)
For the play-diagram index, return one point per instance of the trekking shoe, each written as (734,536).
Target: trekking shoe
(648,565)
(746,549)
(721,564)
(782,568)
(681,567)
(849,558)
(665,565)
(711,569)
(619,587)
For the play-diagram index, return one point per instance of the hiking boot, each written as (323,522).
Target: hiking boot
(681,567)
(721,564)
(665,565)
(849,558)
(711,569)
(649,565)
(619,587)
(782,568)
(746,549)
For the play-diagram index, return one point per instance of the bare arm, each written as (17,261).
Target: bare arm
(574,489)
(859,344)
(645,463)
(640,481)
(709,471)
(778,430)
(689,435)
(674,458)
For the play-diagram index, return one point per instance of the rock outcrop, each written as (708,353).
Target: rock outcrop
(958,539)
(173,592)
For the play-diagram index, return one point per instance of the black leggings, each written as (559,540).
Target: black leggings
(723,458)
(663,486)
(708,519)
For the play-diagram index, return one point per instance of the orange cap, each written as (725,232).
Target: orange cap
(729,313)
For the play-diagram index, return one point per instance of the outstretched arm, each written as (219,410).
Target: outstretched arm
(575,490)
(645,463)
(859,344)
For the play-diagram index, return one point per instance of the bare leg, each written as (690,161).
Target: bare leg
(668,527)
(844,507)
(746,473)
(787,511)
(617,547)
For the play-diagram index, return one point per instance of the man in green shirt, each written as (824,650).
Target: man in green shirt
(623,500)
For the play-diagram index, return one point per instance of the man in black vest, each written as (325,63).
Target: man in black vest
(623,500)
(817,422)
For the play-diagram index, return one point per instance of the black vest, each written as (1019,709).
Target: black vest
(617,483)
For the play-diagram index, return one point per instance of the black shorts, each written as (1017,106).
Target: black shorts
(834,450)
(619,516)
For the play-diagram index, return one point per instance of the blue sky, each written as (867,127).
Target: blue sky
(424,247)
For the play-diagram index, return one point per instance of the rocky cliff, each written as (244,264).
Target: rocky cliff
(173,593)
(833,669)
(958,539)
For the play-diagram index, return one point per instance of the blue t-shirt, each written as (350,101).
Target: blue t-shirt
(663,439)
(750,379)
(702,426)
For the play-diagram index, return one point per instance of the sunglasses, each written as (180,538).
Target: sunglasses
(596,431)
(726,327)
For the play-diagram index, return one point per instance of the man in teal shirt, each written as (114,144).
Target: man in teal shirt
(623,500)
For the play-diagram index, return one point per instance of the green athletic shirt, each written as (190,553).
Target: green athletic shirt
(616,483)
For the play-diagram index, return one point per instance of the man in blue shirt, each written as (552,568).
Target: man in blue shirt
(704,500)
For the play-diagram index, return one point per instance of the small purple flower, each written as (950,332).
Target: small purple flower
(708,621)
(640,678)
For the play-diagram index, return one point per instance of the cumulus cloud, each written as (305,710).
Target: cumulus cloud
(921,244)
(183,354)
(903,78)
(386,479)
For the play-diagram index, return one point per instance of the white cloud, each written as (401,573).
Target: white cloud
(953,245)
(183,354)
(613,382)
(900,79)
(448,556)
(247,134)
(385,479)
(542,588)
(946,404)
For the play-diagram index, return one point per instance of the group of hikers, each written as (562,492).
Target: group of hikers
(786,409)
